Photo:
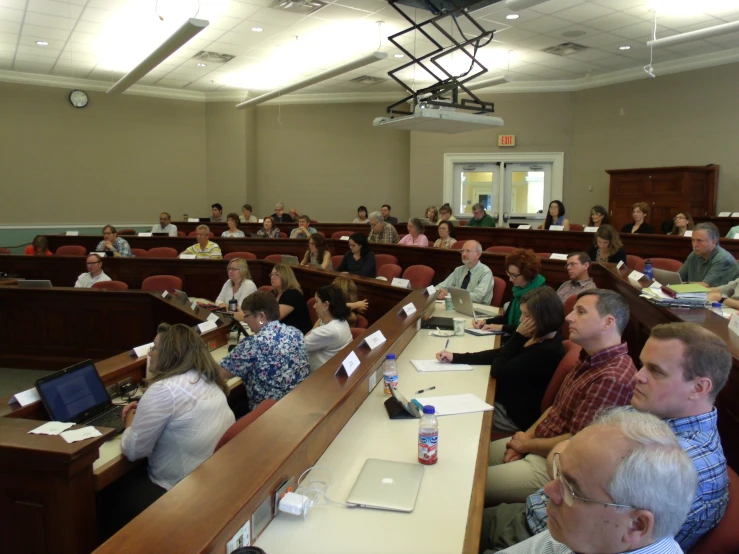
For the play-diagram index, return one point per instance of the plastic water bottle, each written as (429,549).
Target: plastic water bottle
(390,373)
(428,437)
(648,270)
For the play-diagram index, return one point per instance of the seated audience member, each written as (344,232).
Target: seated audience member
(473,276)
(523,267)
(578,265)
(385,211)
(727,294)
(331,332)
(556,216)
(94,273)
(415,236)
(165,225)
(247,216)
(361,215)
(303,230)
(216,212)
(708,264)
(239,284)
(317,253)
(598,216)
(381,231)
(280,216)
(682,222)
(178,421)
(113,243)
(623,484)
(733,233)
(233,230)
(480,218)
(39,247)
(604,377)
(639,212)
(446,235)
(204,248)
(607,246)
(353,304)
(268,229)
(272,361)
(445,214)
(360,260)
(432,215)
(289,295)
(524,366)
(294,215)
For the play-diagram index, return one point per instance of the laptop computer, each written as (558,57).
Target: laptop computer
(463,303)
(386,485)
(77,394)
(34,283)
(160,234)
(665,277)
(290,260)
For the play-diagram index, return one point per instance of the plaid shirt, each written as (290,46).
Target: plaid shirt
(389,235)
(568,288)
(604,380)
(121,245)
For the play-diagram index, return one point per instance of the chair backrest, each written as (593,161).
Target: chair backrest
(420,276)
(724,537)
(501,249)
(265,288)
(362,322)
(569,305)
(194,233)
(181,234)
(336,262)
(572,352)
(244,255)
(499,286)
(4,250)
(635,262)
(110,285)
(245,421)
(389,271)
(544,254)
(462,222)
(283,235)
(71,250)
(382,259)
(667,264)
(576,227)
(458,245)
(160,283)
(127,232)
(162,252)
(140,252)
(277,258)
(312,309)
(356,332)
(339,234)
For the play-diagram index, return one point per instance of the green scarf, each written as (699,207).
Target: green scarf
(514,309)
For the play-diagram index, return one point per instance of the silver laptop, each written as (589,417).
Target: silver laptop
(35,283)
(665,277)
(290,260)
(386,485)
(463,304)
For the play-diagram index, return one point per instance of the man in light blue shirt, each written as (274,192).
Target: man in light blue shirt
(303,230)
(473,276)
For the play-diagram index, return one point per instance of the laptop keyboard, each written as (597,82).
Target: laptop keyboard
(111,418)
(483,313)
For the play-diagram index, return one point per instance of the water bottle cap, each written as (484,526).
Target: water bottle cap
(648,262)
(390,356)
(716,304)
(429,410)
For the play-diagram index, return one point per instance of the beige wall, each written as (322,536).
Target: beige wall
(226,159)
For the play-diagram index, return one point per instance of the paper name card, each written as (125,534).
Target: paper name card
(556,227)
(344,238)
(590,230)
(194,306)
(431,289)
(349,365)
(144,234)
(734,324)
(408,309)
(558,257)
(688,234)
(51,428)
(724,214)
(735,214)
(620,264)
(26,397)
(656,285)
(81,434)
(206,326)
(527,226)
(165,294)
(261,221)
(143,350)
(213,317)
(374,340)
(193,220)
(73,233)
(187,256)
(402,283)
(635,275)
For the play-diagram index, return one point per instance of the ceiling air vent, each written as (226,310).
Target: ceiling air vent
(302,7)
(565,49)
(212,57)
(367,80)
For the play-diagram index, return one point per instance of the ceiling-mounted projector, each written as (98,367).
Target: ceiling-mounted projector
(432,119)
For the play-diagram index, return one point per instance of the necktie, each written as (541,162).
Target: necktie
(466,280)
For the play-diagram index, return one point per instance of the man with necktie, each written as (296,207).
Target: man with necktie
(473,276)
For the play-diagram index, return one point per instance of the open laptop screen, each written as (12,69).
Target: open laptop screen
(73,394)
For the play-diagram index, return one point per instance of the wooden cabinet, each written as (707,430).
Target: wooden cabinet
(667,190)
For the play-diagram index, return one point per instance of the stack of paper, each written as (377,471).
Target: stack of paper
(455,404)
(433,365)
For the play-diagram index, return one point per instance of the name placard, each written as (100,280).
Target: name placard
(261,220)
(187,256)
(408,309)
(26,397)
(527,226)
(214,318)
(724,214)
(635,275)
(349,365)
(735,214)
(165,294)
(558,257)
(206,326)
(734,324)
(344,238)
(141,351)
(72,233)
(688,234)
(590,230)
(374,340)
(193,220)
(556,227)
(402,283)
(194,306)
(144,234)
(431,289)
(620,264)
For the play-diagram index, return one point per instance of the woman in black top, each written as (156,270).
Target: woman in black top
(598,217)
(607,246)
(524,366)
(289,295)
(639,212)
(360,260)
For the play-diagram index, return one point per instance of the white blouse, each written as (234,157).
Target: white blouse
(178,423)
(227,292)
(326,340)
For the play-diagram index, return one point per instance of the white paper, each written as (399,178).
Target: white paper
(144,234)
(431,289)
(635,275)
(527,226)
(143,350)
(620,264)
(556,227)
(187,256)
(80,434)
(350,364)
(590,230)
(344,238)
(165,294)
(724,214)
(261,221)
(73,233)
(375,339)
(558,257)
(26,397)
(656,285)
(735,214)
(434,365)
(193,220)
(214,317)
(734,324)
(206,326)
(402,283)
(194,306)
(408,309)
(51,428)
(455,404)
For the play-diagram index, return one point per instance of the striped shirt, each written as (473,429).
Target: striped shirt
(388,235)
(211,251)
(543,543)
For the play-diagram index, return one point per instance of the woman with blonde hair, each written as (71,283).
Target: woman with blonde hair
(432,214)
(607,246)
(239,284)
(289,296)
(355,306)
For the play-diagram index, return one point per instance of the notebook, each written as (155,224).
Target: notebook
(463,303)
(386,485)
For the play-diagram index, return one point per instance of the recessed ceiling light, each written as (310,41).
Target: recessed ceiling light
(201,65)
(512,16)
(399,56)
(42,43)
(624,47)
(257,29)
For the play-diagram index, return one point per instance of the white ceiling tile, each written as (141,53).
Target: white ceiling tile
(339,13)
(198,43)
(50,7)
(553,6)
(224,22)
(49,21)
(211,34)
(640,30)
(14,4)
(267,30)
(82,38)
(66,62)
(6,63)
(114,5)
(540,42)
(243,40)
(40,60)
(544,25)
(226,48)
(240,10)
(31,67)
(513,35)
(589,55)
(613,21)
(370,6)
(711,22)
(581,13)
(81,57)
(7,14)
(7,47)
(39,51)
(601,40)
(575,33)
(619,4)
(268,16)
(48,34)
(729,41)
(97,15)
(91,27)
(10,38)
(12,27)
(677,21)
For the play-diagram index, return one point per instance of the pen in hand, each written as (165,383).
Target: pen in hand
(447,344)
(425,390)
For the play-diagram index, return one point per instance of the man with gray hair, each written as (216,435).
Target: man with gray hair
(280,216)
(473,276)
(623,484)
(381,231)
(480,218)
(708,264)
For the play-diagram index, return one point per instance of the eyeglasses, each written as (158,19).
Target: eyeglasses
(248,315)
(680,217)
(93,263)
(567,492)
(513,275)
(232,269)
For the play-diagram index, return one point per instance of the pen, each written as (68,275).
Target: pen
(425,390)
(447,344)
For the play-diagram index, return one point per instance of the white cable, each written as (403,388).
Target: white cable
(318,487)
(648,68)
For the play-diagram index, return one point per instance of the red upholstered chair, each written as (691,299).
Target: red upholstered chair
(160,283)
(71,250)
(110,285)
(339,234)
(4,250)
(181,234)
(162,252)
(420,276)
(382,259)
(127,232)
(140,252)
(245,421)
(265,288)
(572,353)
(723,538)
(400,237)
(389,271)
(462,222)
(501,249)
(458,245)
(362,322)
(635,262)
(499,286)
(667,264)
(569,305)
(357,332)
(544,254)
(576,227)
(336,261)
(276,258)
(194,233)
(245,255)
(283,235)
(312,309)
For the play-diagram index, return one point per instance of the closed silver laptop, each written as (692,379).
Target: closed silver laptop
(386,485)
(463,303)
(290,260)
(664,277)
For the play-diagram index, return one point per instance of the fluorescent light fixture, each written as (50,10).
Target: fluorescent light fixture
(42,43)
(624,47)
(503,79)
(257,29)
(512,16)
(708,32)
(201,65)
(181,36)
(399,56)
(335,72)
(518,5)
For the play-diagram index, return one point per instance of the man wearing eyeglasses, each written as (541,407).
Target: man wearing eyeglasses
(577,265)
(113,243)
(473,276)
(204,248)
(94,273)
(623,484)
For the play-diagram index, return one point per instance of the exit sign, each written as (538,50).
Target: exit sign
(506,140)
